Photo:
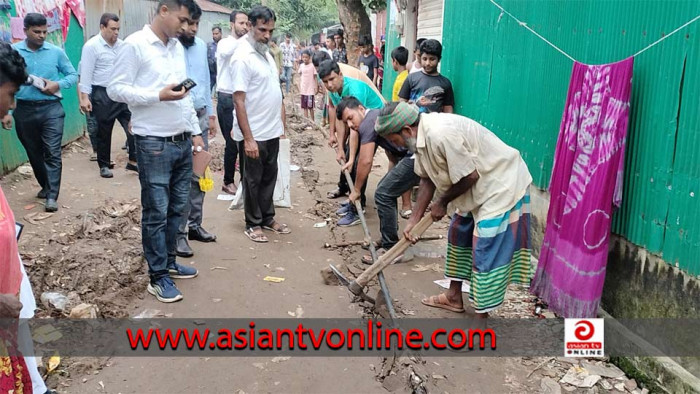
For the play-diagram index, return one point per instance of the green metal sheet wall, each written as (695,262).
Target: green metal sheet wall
(515,84)
(12,154)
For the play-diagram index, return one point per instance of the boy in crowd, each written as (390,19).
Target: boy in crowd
(416,64)
(368,61)
(399,58)
(307,84)
(429,90)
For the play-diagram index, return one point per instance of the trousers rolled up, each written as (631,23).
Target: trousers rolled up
(224,111)
(258,177)
(194,212)
(39,127)
(165,173)
(106,111)
(396,182)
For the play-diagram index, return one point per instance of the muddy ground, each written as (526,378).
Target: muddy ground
(90,252)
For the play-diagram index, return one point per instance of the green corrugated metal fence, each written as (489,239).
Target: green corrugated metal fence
(515,84)
(12,153)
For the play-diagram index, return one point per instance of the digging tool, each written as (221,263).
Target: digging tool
(386,259)
(372,249)
(345,282)
(355,243)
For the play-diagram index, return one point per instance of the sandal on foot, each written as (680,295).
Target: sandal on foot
(255,237)
(278,228)
(441,301)
(367,259)
(332,195)
(406,213)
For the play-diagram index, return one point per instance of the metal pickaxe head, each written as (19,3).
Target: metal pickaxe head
(351,285)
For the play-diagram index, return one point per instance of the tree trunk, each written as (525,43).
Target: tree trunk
(356,24)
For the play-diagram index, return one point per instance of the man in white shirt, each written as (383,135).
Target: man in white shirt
(259,123)
(224,106)
(289,52)
(151,64)
(96,65)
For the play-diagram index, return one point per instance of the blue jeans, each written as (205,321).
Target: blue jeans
(165,172)
(396,182)
(288,75)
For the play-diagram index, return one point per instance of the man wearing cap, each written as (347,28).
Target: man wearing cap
(485,183)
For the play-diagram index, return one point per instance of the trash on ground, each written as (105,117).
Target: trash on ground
(274,279)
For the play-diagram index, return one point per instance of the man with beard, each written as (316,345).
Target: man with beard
(96,66)
(166,128)
(259,123)
(486,185)
(224,94)
(196,58)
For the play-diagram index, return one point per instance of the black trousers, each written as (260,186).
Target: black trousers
(258,177)
(39,127)
(224,111)
(106,111)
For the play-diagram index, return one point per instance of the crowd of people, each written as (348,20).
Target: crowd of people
(158,83)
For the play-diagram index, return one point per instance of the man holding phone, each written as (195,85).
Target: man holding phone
(39,116)
(196,60)
(166,129)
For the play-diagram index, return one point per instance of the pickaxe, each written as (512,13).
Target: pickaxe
(355,243)
(356,286)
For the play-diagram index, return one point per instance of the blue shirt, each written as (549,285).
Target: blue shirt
(49,62)
(198,71)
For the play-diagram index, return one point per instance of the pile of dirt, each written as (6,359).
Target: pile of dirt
(94,258)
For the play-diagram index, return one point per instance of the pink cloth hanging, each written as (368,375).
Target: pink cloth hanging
(586,183)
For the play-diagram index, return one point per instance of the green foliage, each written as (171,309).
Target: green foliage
(299,17)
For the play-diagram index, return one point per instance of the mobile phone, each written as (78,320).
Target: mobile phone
(18,229)
(187,84)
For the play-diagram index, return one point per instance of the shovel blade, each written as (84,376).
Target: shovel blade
(343,280)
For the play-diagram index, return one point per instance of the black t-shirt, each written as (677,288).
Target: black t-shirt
(367,135)
(429,92)
(367,64)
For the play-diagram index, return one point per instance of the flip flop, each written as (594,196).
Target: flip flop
(441,301)
(406,213)
(255,237)
(282,229)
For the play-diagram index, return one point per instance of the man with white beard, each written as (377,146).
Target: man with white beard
(259,122)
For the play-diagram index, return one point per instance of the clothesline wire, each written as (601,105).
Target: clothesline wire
(523,24)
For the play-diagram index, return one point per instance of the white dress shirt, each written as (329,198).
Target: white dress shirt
(96,63)
(144,66)
(224,50)
(257,76)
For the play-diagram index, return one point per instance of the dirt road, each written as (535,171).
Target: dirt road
(238,290)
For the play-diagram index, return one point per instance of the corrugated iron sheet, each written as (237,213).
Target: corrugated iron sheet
(515,84)
(430,19)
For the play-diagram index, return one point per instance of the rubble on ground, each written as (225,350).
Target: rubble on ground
(93,258)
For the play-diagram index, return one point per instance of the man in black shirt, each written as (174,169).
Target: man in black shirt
(427,89)
(399,179)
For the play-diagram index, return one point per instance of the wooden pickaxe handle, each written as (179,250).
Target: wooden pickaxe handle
(392,253)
